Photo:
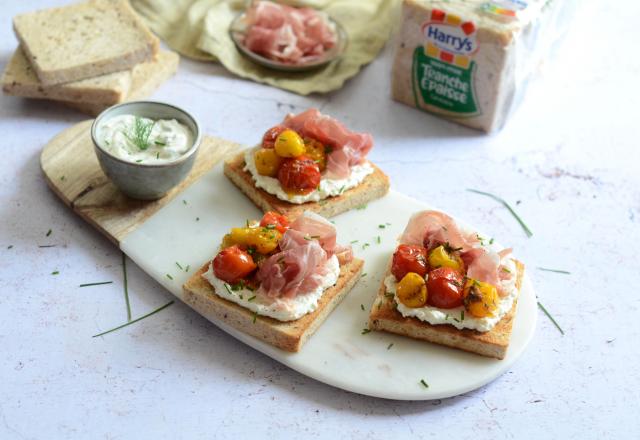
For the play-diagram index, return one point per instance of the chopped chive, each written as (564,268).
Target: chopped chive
(504,269)
(554,270)
(95,284)
(179,267)
(362,307)
(365,331)
(550,317)
(62,178)
(342,189)
(162,144)
(197,219)
(255,315)
(126,286)
(424,384)
(378,239)
(158,155)
(461,315)
(139,160)
(389,346)
(10,246)
(381,226)
(169,276)
(506,205)
(48,233)
(55,272)
(360,207)
(186,269)
(252,298)
(366,245)
(491,241)
(241,297)
(226,286)
(389,295)
(46,245)
(354,241)
(135,320)
(184,201)
(363,275)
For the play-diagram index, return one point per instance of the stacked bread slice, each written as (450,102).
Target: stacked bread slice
(88,55)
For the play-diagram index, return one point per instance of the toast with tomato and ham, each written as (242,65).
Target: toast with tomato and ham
(309,162)
(275,280)
(448,285)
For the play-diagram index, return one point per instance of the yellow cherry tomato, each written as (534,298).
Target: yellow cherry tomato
(412,290)
(289,144)
(267,162)
(480,299)
(264,240)
(441,257)
(316,152)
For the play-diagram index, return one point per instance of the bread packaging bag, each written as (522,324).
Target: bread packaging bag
(470,60)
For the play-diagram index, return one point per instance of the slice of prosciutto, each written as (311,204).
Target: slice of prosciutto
(287,34)
(348,148)
(301,263)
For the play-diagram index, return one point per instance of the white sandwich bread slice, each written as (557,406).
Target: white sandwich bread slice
(288,336)
(145,79)
(84,40)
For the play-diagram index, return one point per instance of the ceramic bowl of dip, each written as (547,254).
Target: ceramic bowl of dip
(145,147)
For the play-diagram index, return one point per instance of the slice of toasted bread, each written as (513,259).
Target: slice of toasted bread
(19,79)
(494,343)
(84,40)
(373,187)
(289,336)
(145,79)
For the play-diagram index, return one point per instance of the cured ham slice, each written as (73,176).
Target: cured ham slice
(431,228)
(286,34)
(301,263)
(349,148)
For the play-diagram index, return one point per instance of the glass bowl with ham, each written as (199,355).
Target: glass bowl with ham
(286,38)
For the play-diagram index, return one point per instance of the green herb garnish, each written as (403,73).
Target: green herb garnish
(389,346)
(424,384)
(10,246)
(169,276)
(550,317)
(554,270)
(365,331)
(366,245)
(226,286)
(186,269)
(125,284)
(141,132)
(461,315)
(504,269)
(62,178)
(48,233)
(179,267)
(135,320)
(252,298)
(381,226)
(360,207)
(378,239)
(363,275)
(162,144)
(341,189)
(55,272)
(506,205)
(354,241)
(389,295)
(46,245)
(95,284)
(184,202)
(255,315)
(362,307)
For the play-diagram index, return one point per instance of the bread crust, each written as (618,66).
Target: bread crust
(288,336)
(385,317)
(373,187)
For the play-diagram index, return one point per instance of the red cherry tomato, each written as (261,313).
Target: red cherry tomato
(233,264)
(299,175)
(273,219)
(444,288)
(409,258)
(269,138)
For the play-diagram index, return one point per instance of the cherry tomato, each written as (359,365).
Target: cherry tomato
(269,138)
(280,222)
(445,288)
(409,258)
(233,264)
(299,175)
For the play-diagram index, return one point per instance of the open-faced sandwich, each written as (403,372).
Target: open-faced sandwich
(448,285)
(274,280)
(309,162)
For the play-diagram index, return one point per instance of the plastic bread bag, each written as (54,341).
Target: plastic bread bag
(470,60)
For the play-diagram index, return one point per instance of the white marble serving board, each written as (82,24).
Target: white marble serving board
(188,231)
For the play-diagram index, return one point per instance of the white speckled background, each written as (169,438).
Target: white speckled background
(569,157)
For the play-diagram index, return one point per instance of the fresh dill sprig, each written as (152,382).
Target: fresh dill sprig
(141,133)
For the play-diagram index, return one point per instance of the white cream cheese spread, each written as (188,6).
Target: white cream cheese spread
(282,309)
(327,187)
(142,140)
(456,316)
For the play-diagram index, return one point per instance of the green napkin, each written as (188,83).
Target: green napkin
(199,29)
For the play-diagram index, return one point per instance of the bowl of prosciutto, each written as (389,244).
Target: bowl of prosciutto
(286,38)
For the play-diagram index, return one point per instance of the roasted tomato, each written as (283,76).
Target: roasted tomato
(317,152)
(445,288)
(408,258)
(269,138)
(233,264)
(480,299)
(273,219)
(445,256)
(411,290)
(299,175)
(289,144)
(267,162)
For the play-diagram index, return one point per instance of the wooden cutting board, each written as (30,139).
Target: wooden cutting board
(72,171)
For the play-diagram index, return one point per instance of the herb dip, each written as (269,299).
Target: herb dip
(143,140)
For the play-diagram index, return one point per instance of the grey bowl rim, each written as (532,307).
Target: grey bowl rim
(343,43)
(197,139)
